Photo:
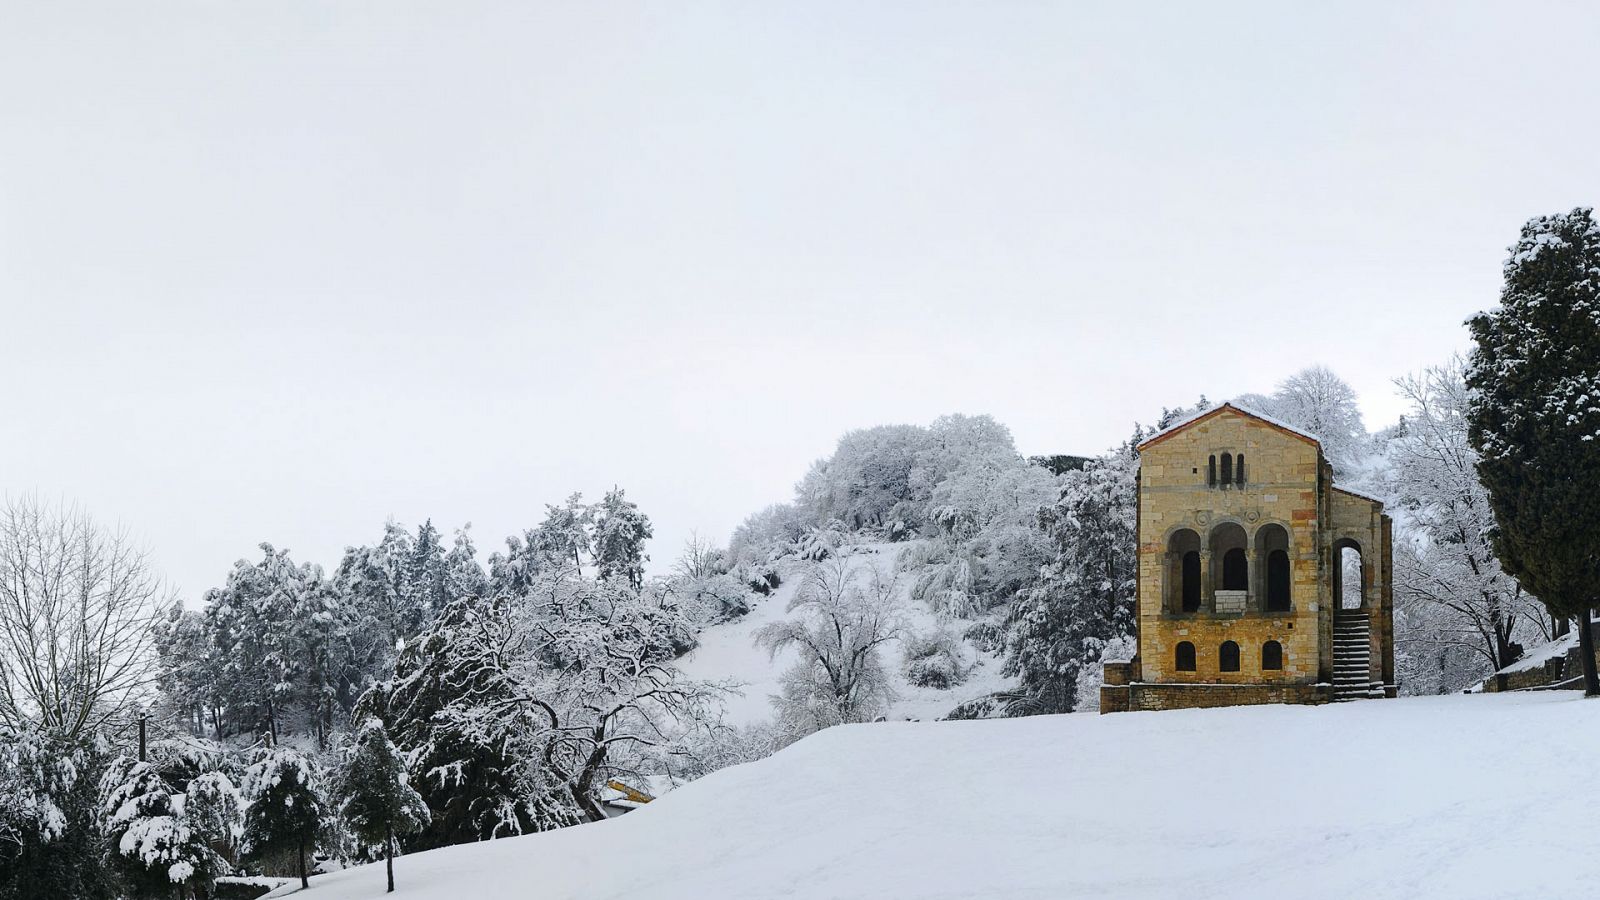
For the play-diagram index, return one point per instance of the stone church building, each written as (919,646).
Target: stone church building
(1243,593)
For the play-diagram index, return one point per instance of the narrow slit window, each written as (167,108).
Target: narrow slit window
(1238,470)
(1227,469)
(1211,477)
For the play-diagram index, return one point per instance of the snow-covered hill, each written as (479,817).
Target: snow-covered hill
(1457,797)
(728,651)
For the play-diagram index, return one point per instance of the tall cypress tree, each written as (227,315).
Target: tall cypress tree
(375,795)
(285,813)
(1535,417)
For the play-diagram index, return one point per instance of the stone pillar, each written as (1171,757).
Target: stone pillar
(1208,598)
(1170,563)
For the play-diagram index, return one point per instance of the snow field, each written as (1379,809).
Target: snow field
(1457,796)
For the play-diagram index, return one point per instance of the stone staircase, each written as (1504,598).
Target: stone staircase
(1352,656)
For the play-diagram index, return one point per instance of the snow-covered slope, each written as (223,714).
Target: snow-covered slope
(728,651)
(1457,797)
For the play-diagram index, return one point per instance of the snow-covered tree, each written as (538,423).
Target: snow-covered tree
(1534,417)
(1443,556)
(151,838)
(375,794)
(702,587)
(761,541)
(561,542)
(463,574)
(423,576)
(934,658)
(373,582)
(454,707)
(285,813)
(190,669)
(51,845)
(271,622)
(620,531)
(987,544)
(1084,598)
(1319,401)
(873,479)
(213,809)
(840,628)
(606,683)
(884,477)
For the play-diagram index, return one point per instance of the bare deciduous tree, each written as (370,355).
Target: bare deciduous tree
(840,634)
(77,602)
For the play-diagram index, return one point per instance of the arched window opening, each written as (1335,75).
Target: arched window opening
(1278,581)
(1228,657)
(1271,569)
(1185,657)
(1271,656)
(1191,581)
(1211,473)
(1227,469)
(1235,570)
(1183,571)
(1230,568)
(1349,575)
(1238,469)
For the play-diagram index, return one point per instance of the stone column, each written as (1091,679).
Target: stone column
(1208,597)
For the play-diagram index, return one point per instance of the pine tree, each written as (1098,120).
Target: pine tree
(151,840)
(1534,417)
(375,796)
(1084,598)
(620,531)
(284,812)
(424,576)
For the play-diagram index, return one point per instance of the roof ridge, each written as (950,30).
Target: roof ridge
(1228,404)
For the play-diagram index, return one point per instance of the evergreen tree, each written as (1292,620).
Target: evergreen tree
(562,539)
(474,749)
(620,531)
(1534,417)
(375,796)
(424,579)
(284,813)
(463,576)
(52,846)
(1084,598)
(151,840)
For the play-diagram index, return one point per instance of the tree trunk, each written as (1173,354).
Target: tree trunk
(388,854)
(305,883)
(1591,682)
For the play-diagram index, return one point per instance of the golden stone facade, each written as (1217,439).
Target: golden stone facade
(1243,545)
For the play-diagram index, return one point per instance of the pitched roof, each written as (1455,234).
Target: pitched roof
(1362,494)
(1181,424)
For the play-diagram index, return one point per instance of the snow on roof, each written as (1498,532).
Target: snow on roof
(1190,420)
(1362,494)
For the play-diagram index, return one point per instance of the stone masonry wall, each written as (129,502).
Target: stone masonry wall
(1145,697)
(1281,479)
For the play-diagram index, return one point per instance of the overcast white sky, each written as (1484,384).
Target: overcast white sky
(277,271)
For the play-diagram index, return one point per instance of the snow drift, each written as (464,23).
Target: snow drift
(1461,796)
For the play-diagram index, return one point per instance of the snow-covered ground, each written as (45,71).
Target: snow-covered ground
(728,651)
(1453,797)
